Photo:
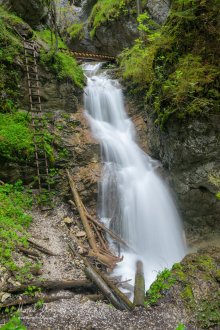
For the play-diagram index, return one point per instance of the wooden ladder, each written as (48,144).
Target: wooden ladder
(35,110)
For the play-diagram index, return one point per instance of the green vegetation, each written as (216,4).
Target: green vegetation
(62,64)
(206,309)
(49,38)
(14,324)
(76,31)
(181,327)
(16,138)
(107,10)
(158,288)
(176,66)
(10,47)
(14,222)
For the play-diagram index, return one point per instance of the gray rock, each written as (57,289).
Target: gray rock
(190,151)
(33,12)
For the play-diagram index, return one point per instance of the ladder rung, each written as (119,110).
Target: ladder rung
(33,79)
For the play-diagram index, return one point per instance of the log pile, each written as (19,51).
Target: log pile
(94,232)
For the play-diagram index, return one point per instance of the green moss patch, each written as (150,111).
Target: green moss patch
(159,287)
(62,63)
(107,10)
(76,31)
(16,138)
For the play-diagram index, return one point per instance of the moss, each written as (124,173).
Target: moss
(63,65)
(10,48)
(208,312)
(107,10)
(49,38)
(76,31)
(16,138)
(181,78)
(160,286)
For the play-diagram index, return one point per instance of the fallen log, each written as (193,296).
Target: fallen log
(120,295)
(41,248)
(92,274)
(139,287)
(82,214)
(50,285)
(32,300)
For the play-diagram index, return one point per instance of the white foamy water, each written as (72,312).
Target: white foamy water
(133,199)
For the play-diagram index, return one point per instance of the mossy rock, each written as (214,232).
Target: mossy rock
(193,286)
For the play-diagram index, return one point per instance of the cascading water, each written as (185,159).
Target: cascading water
(133,198)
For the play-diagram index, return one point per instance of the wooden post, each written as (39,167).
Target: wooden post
(139,288)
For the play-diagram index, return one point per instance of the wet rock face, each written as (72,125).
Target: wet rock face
(33,12)
(190,151)
(114,37)
(158,9)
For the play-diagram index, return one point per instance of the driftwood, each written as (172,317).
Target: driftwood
(92,274)
(139,288)
(41,248)
(32,300)
(50,285)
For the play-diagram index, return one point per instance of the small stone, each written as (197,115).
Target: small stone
(80,250)
(68,220)
(5,296)
(81,234)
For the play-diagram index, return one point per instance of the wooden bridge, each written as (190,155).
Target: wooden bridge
(91,56)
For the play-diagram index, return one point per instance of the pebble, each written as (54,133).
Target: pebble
(81,234)
(68,220)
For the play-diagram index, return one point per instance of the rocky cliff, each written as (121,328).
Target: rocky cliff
(115,29)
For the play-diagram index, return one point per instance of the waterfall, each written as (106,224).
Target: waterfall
(133,199)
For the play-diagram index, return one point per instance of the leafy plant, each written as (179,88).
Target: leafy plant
(14,324)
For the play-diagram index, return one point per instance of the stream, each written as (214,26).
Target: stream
(133,199)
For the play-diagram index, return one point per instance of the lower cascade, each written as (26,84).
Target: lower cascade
(133,199)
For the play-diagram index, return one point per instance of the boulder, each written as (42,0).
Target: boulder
(34,12)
